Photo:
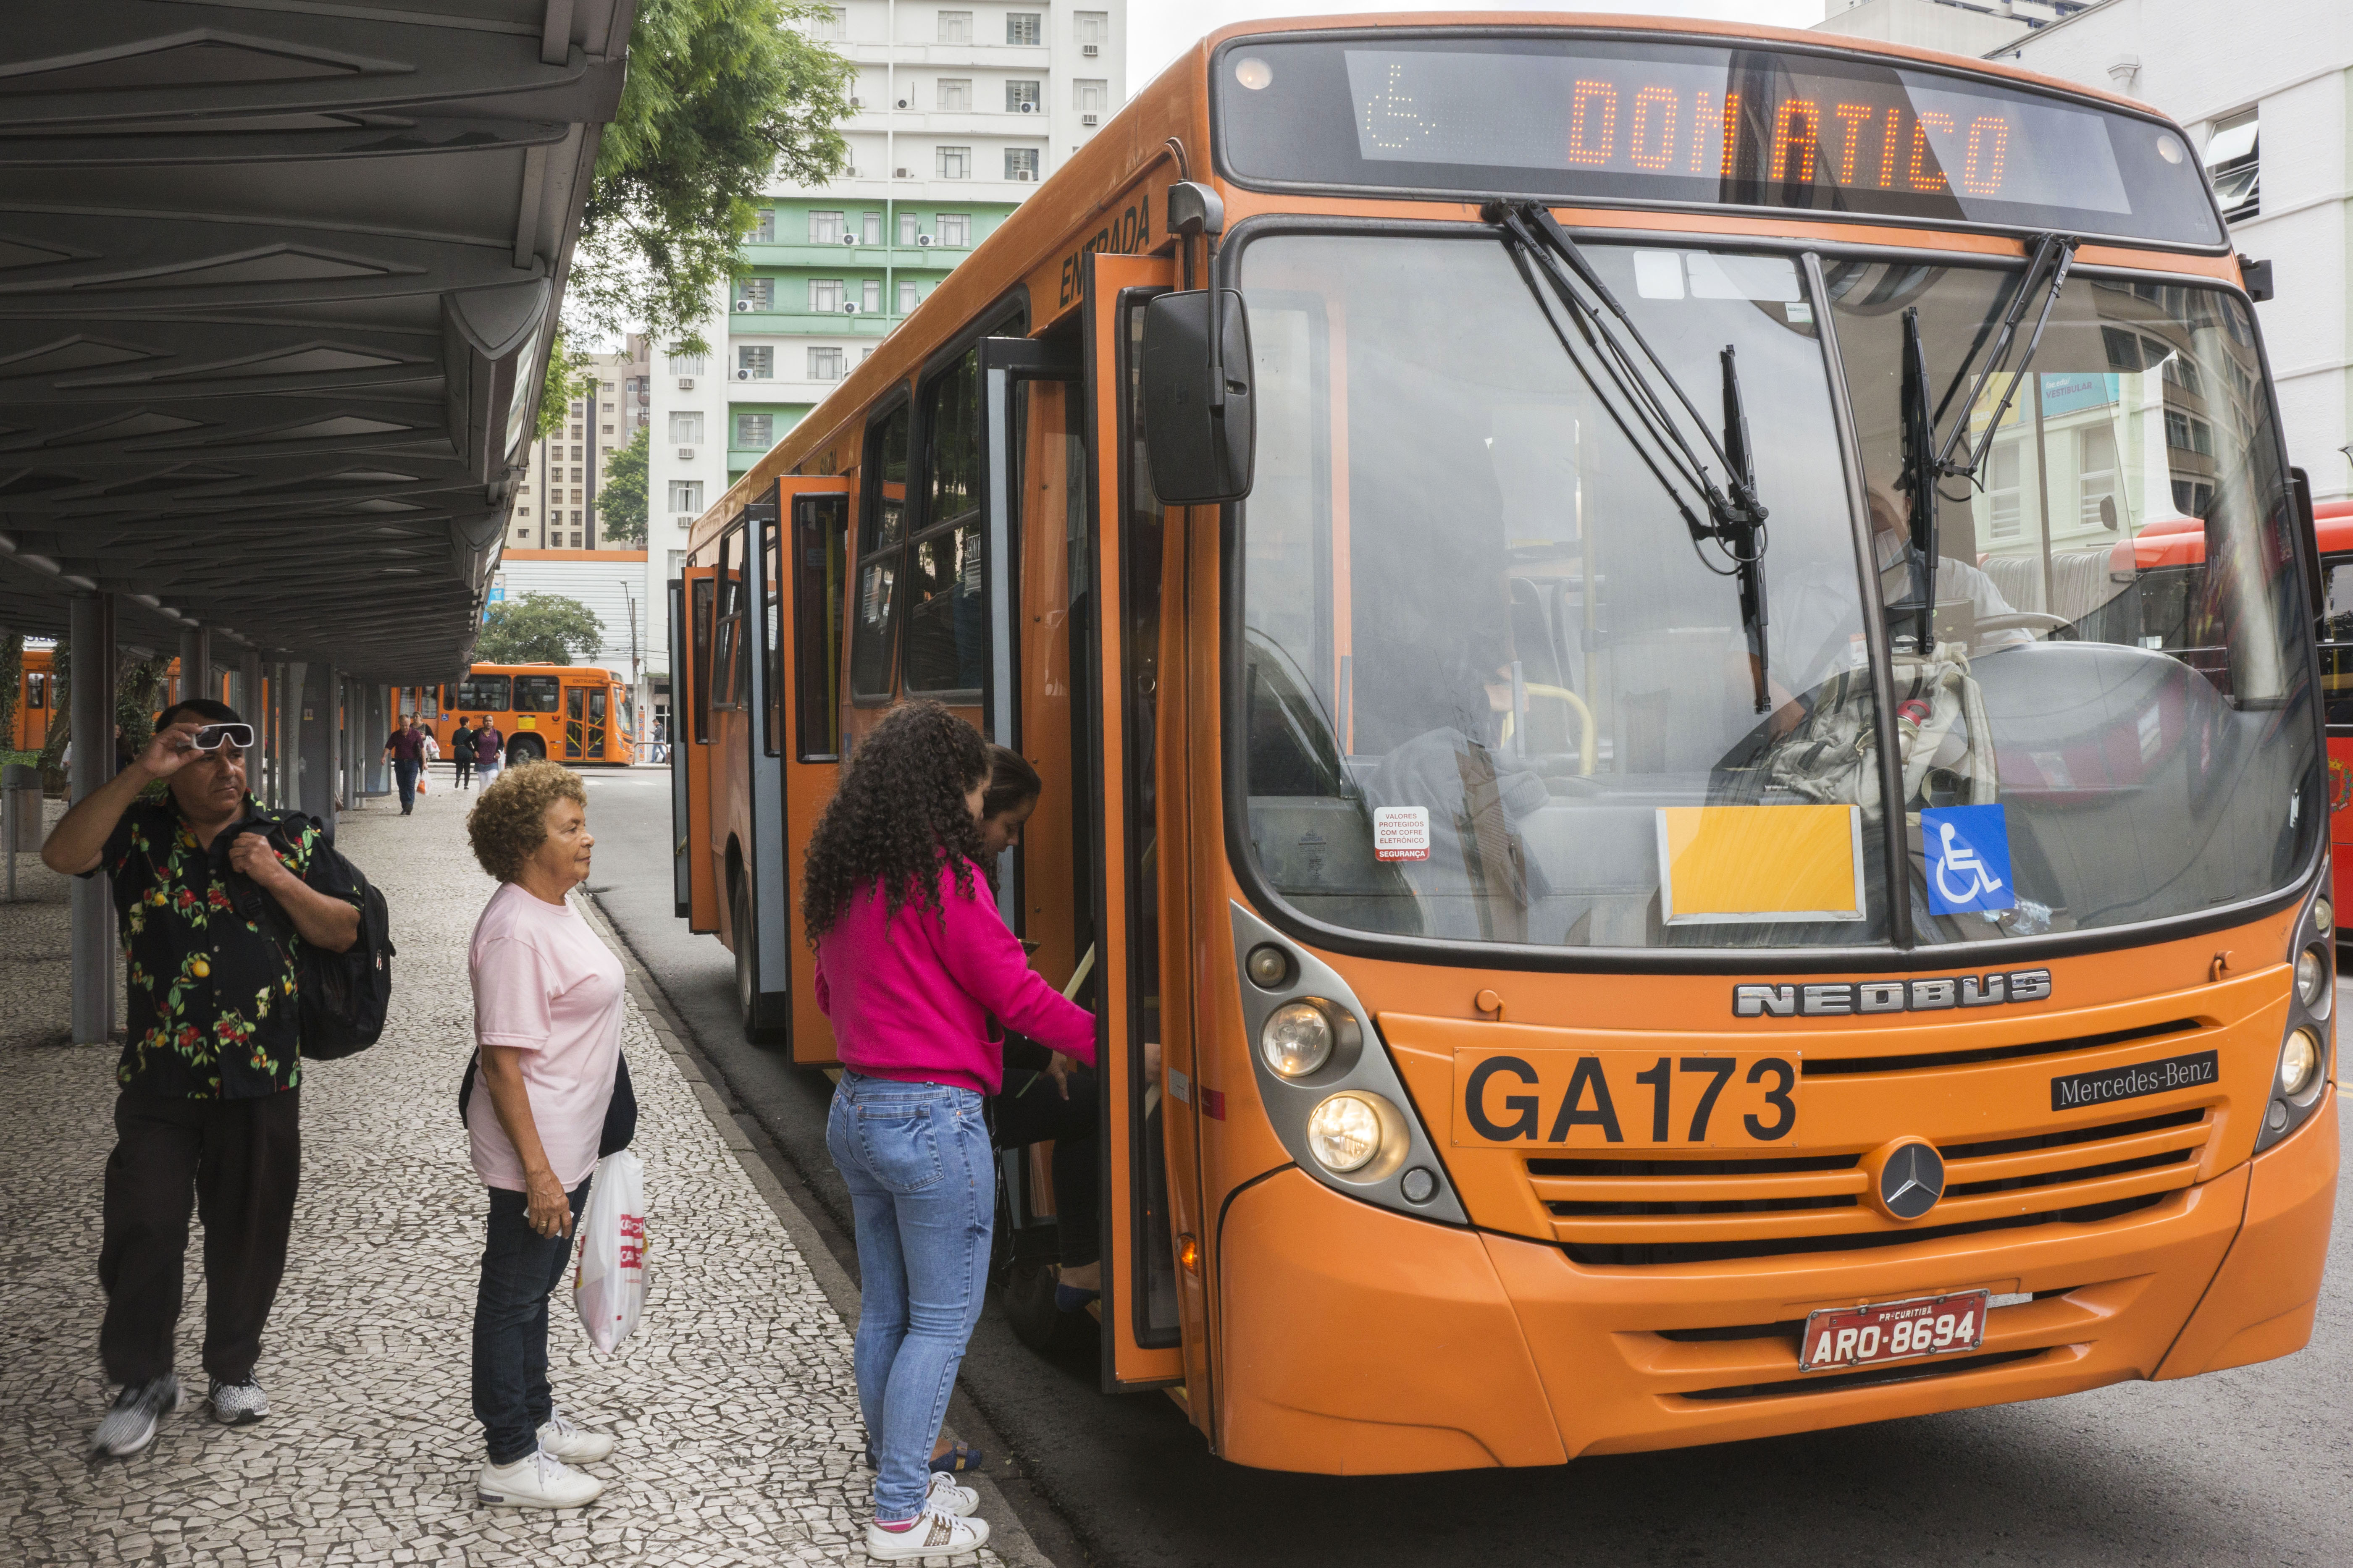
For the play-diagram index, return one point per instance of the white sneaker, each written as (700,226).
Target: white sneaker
(538,1479)
(931,1535)
(572,1443)
(945,1497)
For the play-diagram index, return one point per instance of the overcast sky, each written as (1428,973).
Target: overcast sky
(1157,29)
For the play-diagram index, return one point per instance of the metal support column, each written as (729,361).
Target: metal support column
(249,704)
(315,792)
(372,734)
(289,736)
(91,677)
(196,664)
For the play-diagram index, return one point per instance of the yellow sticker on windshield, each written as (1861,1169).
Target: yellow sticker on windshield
(1746,864)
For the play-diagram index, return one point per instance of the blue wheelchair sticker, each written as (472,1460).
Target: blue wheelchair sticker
(1969,860)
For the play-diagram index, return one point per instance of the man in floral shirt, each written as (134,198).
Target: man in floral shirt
(209,1072)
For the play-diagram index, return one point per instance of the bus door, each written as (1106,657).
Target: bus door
(1115,641)
(584,724)
(681,841)
(801,586)
(696,734)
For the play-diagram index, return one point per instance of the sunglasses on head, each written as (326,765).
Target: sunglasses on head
(212,737)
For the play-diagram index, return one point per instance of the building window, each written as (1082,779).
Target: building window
(825,294)
(1090,95)
(608,429)
(955,163)
(2186,433)
(870,295)
(955,94)
(824,364)
(907,229)
(1020,98)
(760,362)
(1024,27)
(2096,476)
(956,228)
(825,229)
(825,24)
(756,431)
(755,293)
(907,295)
(522,533)
(1091,26)
(685,365)
(686,495)
(870,228)
(2233,159)
(677,562)
(686,428)
(764,226)
(2002,492)
(956,27)
(1021,163)
(866,353)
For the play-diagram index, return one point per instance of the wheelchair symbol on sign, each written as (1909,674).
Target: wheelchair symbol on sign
(1958,857)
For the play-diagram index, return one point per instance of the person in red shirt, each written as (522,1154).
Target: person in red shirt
(405,750)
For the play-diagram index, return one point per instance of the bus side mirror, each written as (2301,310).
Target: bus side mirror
(1200,433)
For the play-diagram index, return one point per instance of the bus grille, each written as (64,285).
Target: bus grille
(1664,1211)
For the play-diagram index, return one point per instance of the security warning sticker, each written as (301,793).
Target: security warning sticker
(1401,833)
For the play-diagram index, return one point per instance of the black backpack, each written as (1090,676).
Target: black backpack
(341,998)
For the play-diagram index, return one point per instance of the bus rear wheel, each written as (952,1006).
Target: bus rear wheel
(757,1030)
(525,749)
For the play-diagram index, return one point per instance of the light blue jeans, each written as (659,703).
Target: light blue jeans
(922,1186)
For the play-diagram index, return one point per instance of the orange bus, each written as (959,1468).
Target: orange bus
(1475,520)
(570,712)
(35,700)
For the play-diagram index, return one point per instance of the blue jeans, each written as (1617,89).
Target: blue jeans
(404,774)
(922,1185)
(520,1267)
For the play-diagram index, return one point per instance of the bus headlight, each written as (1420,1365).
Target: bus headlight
(1300,1036)
(2299,1060)
(2311,978)
(2323,917)
(1345,1132)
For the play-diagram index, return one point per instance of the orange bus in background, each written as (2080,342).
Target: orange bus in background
(36,701)
(564,713)
(1653,864)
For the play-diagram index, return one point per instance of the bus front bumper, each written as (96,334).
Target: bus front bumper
(1358,1342)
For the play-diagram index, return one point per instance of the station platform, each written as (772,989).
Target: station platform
(733,1401)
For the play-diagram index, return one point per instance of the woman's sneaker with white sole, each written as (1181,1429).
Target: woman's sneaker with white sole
(129,1425)
(945,1497)
(572,1443)
(930,1535)
(538,1479)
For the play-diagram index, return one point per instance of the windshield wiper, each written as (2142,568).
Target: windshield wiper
(2053,253)
(1735,519)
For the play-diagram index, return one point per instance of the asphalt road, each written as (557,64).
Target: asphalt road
(2253,1466)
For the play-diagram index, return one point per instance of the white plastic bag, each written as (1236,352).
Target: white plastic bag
(608,1280)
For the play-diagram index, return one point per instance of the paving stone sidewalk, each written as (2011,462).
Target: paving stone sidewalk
(734,1404)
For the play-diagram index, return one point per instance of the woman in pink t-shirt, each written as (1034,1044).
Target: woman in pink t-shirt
(547,1030)
(917,971)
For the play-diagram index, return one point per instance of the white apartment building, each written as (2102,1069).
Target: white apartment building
(960,111)
(2264,90)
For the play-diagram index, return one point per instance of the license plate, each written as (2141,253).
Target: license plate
(1841,1339)
(1623,1101)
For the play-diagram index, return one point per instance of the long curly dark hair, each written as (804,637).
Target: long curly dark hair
(899,807)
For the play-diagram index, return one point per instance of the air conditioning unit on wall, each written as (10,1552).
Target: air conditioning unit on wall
(686,384)
(743,375)
(742,304)
(1089,50)
(924,241)
(686,454)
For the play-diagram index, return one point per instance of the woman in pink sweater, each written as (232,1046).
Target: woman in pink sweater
(917,971)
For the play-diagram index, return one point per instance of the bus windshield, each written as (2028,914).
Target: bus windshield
(1491,690)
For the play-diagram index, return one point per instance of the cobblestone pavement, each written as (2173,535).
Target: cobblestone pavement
(733,1401)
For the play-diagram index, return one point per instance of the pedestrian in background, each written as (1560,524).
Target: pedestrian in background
(488,745)
(405,750)
(211,1066)
(547,1031)
(461,753)
(914,967)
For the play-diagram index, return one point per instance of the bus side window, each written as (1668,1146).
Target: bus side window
(820,548)
(772,649)
(698,618)
(882,549)
(947,617)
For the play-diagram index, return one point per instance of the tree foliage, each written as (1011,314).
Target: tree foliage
(621,500)
(723,96)
(538,628)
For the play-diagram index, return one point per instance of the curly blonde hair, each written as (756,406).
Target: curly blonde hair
(509,822)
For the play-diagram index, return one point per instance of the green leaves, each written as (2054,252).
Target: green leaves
(538,628)
(621,500)
(723,98)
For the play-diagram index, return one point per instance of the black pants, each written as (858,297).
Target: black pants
(239,1160)
(404,775)
(520,1267)
(1029,1111)
(465,772)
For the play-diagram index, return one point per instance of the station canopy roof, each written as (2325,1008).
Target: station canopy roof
(277,284)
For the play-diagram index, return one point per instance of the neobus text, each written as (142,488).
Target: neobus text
(1842,997)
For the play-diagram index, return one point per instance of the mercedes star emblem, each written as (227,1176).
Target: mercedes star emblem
(1911,1182)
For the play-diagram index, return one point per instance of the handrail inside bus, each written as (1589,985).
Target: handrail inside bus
(1585,758)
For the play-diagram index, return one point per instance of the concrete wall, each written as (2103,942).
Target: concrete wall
(2293,59)
(1923,24)
(604,580)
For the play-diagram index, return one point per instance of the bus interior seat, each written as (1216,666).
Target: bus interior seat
(2080,582)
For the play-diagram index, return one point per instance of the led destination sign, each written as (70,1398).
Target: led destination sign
(1618,120)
